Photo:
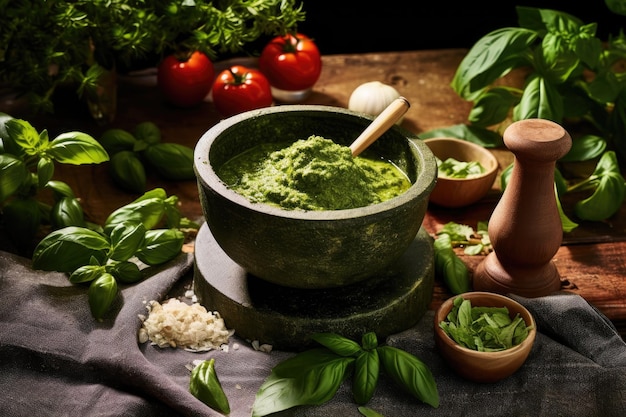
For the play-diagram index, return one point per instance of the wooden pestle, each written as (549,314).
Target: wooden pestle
(525,227)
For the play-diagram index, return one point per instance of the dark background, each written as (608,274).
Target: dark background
(350,26)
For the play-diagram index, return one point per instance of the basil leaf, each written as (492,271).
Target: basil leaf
(101,294)
(148,132)
(161,246)
(369,341)
(541,99)
(7,144)
(147,211)
(60,188)
(315,383)
(492,56)
(205,386)
(45,171)
(609,193)
(368,412)
(117,140)
(340,345)
(25,136)
(86,273)
(303,362)
(128,172)
(67,211)
(452,271)
(67,249)
(585,148)
(125,272)
(409,373)
(605,201)
(366,372)
(493,105)
(14,174)
(567,224)
(171,160)
(76,148)
(126,239)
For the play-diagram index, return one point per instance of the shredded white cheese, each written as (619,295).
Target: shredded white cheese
(177,324)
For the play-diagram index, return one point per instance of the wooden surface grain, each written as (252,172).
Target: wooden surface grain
(591,261)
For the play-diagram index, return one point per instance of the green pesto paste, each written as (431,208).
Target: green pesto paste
(312,174)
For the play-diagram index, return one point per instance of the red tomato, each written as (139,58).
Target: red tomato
(186,83)
(291,62)
(240,89)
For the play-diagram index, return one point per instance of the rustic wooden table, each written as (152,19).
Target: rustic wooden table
(591,261)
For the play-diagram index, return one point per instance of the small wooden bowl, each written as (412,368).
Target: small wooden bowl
(484,366)
(459,192)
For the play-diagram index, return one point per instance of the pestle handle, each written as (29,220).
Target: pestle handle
(380,125)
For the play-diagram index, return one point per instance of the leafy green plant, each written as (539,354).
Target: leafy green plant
(313,377)
(45,44)
(131,153)
(27,160)
(569,74)
(147,230)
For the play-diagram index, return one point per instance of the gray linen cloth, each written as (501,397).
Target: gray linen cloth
(55,360)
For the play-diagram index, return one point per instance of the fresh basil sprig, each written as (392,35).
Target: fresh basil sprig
(313,377)
(27,159)
(129,152)
(105,256)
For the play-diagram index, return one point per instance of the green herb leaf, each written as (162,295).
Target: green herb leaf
(493,55)
(409,373)
(205,386)
(128,172)
(117,140)
(25,136)
(14,174)
(160,246)
(368,412)
(125,272)
(338,344)
(171,160)
(310,378)
(146,209)
(609,193)
(148,132)
(45,171)
(126,239)
(86,273)
(77,148)
(102,292)
(366,372)
(67,211)
(67,249)
(585,148)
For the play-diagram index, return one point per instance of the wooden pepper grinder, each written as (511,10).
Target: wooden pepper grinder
(525,227)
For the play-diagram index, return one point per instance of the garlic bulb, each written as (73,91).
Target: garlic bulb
(372,98)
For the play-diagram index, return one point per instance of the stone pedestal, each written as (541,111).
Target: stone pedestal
(387,303)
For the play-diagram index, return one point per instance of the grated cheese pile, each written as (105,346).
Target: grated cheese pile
(177,324)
